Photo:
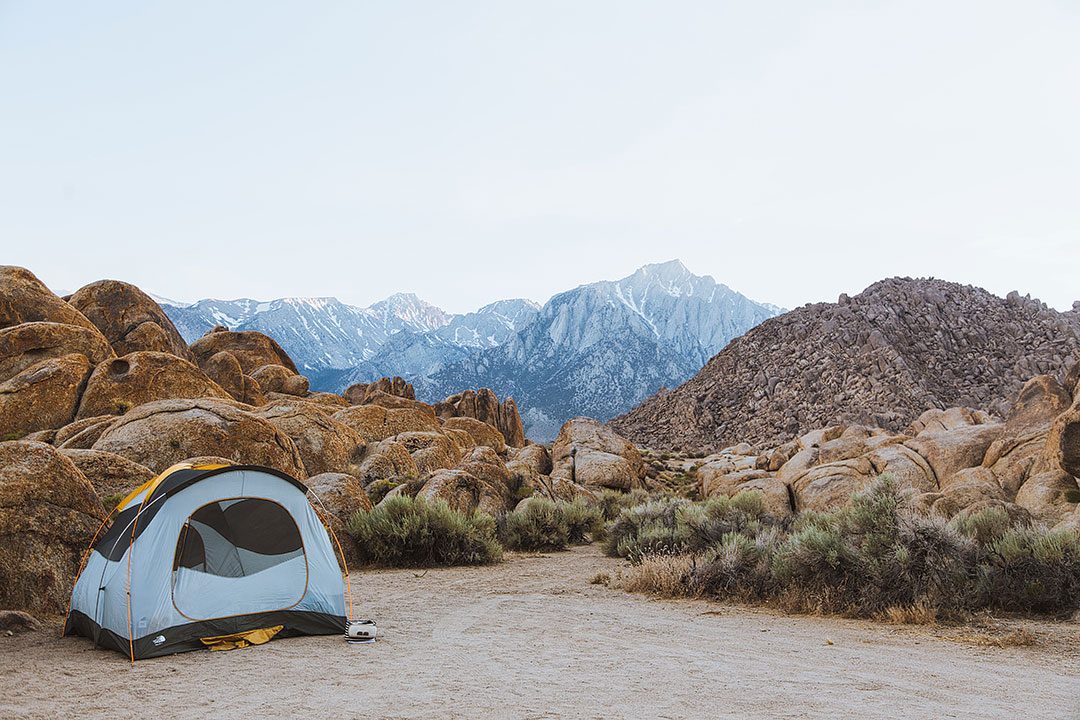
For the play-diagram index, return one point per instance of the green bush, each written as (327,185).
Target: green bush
(411,532)
(584,523)
(867,558)
(539,524)
(613,502)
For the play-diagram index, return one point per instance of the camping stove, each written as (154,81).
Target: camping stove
(360,631)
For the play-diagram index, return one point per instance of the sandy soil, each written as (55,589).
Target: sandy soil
(532,638)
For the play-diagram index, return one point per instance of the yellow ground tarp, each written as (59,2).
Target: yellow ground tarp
(242,639)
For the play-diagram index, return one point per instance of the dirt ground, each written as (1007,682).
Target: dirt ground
(532,638)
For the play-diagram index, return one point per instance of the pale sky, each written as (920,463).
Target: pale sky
(469,151)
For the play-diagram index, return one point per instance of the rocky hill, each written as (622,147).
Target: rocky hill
(880,358)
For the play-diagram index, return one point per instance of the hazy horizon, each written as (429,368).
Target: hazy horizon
(479,151)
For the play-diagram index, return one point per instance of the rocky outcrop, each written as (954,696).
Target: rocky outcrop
(949,460)
(362,393)
(387,460)
(535,456)
(82,434)
(484,405)
(252,349)
(23,346)
(43,396)
(160,434)
(25,299)
(879,359)
(122,383)
(48,515)
(110,475)
(279,379)
(224,369)
(588,453)
(325,445)
(376,422)
(481,432)
(129,319)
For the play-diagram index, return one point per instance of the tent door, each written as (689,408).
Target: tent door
(238,556)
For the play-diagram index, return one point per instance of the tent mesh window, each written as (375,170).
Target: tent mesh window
(238,537)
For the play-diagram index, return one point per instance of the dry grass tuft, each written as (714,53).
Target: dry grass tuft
(663,575)
(916,614)
(600,579)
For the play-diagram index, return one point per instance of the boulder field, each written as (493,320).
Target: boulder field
(950,460)
(98,394)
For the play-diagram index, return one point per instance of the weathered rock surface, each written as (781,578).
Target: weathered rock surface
(280,379)
(1046,496)
(160,434)
(880,358)
(82,434)
(224,369)
(484,405)
(385,461)
(43,396)
(24,299)
(252,349)
(108,473)
(591,454)
(376,422)
(119,384)
(363,393)
(48,514)
(25,345)
(481,432)
(129,319)
(325,445)
(14,622)
(536,457)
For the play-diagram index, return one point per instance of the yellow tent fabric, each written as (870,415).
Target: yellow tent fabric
(243,639)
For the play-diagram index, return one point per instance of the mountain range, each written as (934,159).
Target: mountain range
(596,350)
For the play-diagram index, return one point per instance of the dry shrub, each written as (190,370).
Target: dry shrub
(664,575)
(871,558)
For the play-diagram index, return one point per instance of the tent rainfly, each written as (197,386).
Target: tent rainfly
(204,552)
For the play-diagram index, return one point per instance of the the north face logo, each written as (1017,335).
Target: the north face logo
(159,639)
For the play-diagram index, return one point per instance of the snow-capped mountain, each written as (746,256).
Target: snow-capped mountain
(335,344)
(606,346)
(596,350)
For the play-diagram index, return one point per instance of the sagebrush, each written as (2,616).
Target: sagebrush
(871,558)
(403,531)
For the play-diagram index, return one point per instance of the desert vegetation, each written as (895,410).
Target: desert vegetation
(871,558)
(412,532)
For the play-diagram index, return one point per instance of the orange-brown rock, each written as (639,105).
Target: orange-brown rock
(386,460)
(48,514)
(24,298)
(536,457)
(337,497)
(588,453)
(160,434)
(110,474)
(484,405)
(1049,496)
(224,369)
(1063,441)
(122,383)
(129,318)
(393,401)
(22,346)
(45,395)
(280,379)
(481,432)
(325,445)
(251,348)
(82,434)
